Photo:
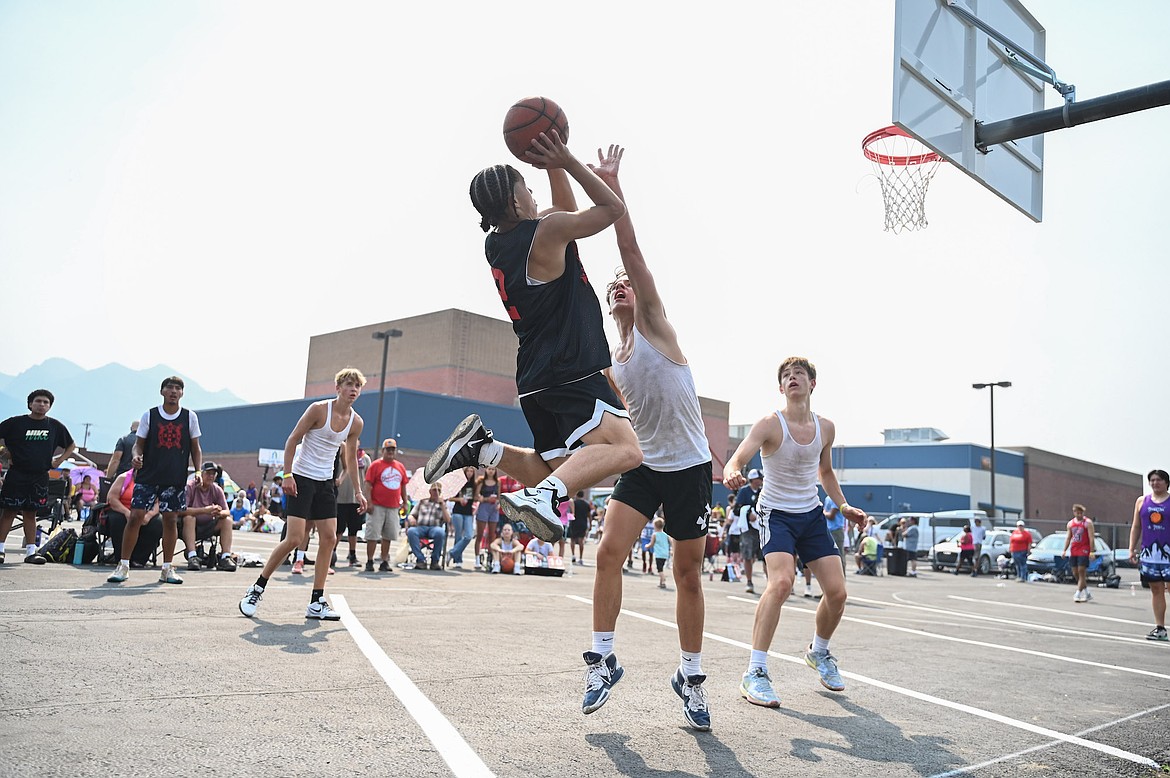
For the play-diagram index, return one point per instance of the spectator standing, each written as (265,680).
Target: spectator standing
(749,536)
(661,544)
(167,440)
(836,524)
(978,533)
(123,456)
(385,493)
(910,543)
(966,550)
(349,514)
(1078,547)
(1018,544)
(1149,545)
(487,516)
(579,528)
(463,516)
(32,441)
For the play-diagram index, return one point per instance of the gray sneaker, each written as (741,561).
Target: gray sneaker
(535,508)
(825,664)
(120,574)
(756,688)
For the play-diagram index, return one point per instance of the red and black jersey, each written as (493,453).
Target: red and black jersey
(559,323)
(166,450)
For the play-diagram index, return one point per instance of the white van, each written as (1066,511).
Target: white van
(935,527)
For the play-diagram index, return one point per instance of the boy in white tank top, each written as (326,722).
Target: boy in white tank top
(795,446)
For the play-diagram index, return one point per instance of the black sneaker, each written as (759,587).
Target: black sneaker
(370,566)
(435,566)
(384,567)
(460,449)
(353,562)
(226,564)
(193,563)
(34,559)
(1157,633)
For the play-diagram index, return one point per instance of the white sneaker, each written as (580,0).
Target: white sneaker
(457,565)
(1077,596)
(535,508)
(251,600)
(320,610)
(495,567)
(120,574)
(1085,596)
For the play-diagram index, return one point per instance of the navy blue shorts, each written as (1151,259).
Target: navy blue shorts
(801,534)
(1078,561)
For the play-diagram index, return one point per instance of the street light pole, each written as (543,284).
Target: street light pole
(991,386)
(384,336)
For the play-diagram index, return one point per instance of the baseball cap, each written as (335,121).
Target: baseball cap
(1019,523)
(210,466)
(753,473)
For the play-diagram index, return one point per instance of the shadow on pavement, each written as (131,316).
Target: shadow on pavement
(626,761)
(873,738)
(290,638)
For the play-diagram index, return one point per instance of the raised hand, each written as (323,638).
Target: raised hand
(608,163)
(549,151)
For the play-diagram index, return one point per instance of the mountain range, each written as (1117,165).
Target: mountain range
(108,397)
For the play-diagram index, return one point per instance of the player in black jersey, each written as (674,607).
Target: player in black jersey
(555,314)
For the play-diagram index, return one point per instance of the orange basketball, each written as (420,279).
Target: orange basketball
(528,118)
(507,563)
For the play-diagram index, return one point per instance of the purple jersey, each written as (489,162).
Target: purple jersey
(1154,559)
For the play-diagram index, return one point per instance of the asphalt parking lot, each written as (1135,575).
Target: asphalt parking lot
(468,674)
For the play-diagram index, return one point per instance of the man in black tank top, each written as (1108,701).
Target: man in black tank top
(557,318)
(167,439)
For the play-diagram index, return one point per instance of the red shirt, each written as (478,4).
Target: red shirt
(388,482)
(967,542)
(1021,540)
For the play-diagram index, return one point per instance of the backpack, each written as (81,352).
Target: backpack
(59,548)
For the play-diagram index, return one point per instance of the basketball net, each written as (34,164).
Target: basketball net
(903,167)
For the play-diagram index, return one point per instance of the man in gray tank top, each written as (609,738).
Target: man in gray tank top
(651,375)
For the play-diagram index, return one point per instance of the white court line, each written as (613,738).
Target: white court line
(1080,614)
(996,620)
(958,706)
(449,744)
(980,643)
(1018,754)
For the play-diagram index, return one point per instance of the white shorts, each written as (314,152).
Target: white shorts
(381,523)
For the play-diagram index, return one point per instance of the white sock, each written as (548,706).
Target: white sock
(819,643)
(759,661)
(603,643)
(124,562)
(190,554)
(490,454)
(300,556)
(31,549)
(691,664)
(166,566)
(556,485)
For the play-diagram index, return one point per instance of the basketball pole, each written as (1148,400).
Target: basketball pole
(1072,114)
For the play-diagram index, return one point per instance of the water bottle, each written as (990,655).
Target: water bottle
(1132,589)
(39,533)
(78,551)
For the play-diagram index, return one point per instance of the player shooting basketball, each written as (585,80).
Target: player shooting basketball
(557,318)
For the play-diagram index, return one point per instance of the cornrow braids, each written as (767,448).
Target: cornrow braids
(492,193)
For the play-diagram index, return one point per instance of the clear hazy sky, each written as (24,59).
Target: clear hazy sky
(267,171)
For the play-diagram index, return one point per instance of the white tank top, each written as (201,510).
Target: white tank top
(664,407)
(315,456)
(790,473)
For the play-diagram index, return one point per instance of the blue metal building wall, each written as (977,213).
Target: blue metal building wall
(935,456)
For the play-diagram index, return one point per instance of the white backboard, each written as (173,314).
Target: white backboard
(948,75)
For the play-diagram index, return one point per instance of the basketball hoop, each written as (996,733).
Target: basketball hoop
(904,168)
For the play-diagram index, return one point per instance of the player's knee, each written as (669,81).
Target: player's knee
(835,597)
(633,457)
(779,587)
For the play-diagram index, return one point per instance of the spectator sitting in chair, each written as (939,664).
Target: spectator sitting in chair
(241,516)
(118,512)
(867,555)
(429,520)
(207,514)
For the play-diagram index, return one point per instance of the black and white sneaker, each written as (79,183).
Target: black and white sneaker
(601,675)
(536,508)
(460,449)
(321,611)
(251,600)
(690,690)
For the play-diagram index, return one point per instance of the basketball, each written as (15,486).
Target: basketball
(507,563)
(528,118)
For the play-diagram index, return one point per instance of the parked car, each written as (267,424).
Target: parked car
(1122,558)
(1041,558)
(995,542)
(933,527)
